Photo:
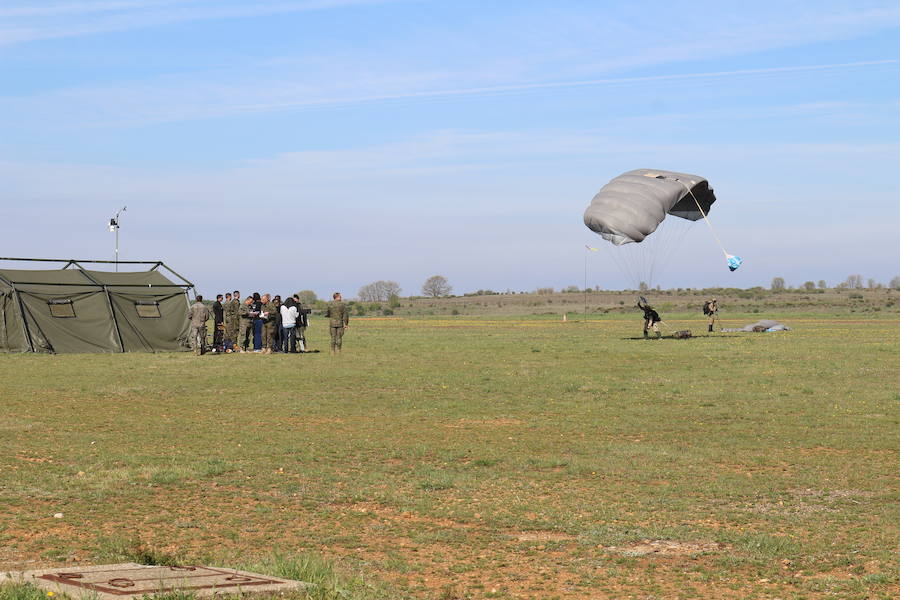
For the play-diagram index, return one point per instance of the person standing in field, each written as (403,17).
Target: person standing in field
(339,321)
(218,311)
(245,318)
(256,308)
(302,323)
(276,340)
(268,323)
(711,310)
(198,315)
(651,318)
(232,317)
(288,326)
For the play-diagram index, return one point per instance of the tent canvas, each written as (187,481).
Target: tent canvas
(75,309)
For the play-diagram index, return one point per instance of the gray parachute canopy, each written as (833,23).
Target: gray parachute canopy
(631,206)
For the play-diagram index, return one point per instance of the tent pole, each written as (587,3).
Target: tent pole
(170,270)
(112,313)
(25,328)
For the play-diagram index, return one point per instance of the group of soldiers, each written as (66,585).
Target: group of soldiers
(652,318)
(261,323)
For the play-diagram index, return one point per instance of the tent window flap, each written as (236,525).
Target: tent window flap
(62,308)
(147,310)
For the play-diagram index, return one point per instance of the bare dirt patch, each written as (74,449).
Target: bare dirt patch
(667,548)
(543,536)
(829,495)
(501,422)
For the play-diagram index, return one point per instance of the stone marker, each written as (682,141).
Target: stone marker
(131,580)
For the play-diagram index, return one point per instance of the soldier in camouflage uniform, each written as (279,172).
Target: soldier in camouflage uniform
(245,324)
(198,315)
(711,310)
(232,317)
(268,334)
(339,321)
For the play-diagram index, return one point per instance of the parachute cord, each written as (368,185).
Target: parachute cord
(705,218)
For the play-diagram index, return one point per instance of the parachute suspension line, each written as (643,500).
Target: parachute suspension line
(643,262)
(705,218)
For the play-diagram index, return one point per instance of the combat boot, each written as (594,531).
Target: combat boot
(710,328)
(646,335)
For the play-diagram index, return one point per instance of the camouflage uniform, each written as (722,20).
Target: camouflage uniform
(198,314)
(245,326)
(232,310)
(713,308)
(339,318)
(268,332)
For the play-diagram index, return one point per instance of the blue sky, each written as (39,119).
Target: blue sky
(324,144)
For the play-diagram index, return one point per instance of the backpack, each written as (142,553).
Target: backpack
(706,310)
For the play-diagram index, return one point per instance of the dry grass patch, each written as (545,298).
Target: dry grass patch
(668,548)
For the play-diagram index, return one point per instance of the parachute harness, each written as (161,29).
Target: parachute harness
(733,261)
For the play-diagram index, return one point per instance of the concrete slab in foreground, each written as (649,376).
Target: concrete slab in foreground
(131,580)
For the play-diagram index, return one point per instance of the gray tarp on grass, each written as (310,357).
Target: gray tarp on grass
(631,206)
(763,325)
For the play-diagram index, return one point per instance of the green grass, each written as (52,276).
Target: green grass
(468,457)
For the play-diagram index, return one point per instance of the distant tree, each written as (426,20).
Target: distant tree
(546,291)
(872,284)
(394,301)
(436,286)
(895,283)
(391,288)
(809,285)
(379,291)
(822,284)
(572,289)
(307,297)
(642,286)
(777,284)
(854,281)
(368,293)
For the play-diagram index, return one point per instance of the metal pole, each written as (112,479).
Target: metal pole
(585,283)
(115,224)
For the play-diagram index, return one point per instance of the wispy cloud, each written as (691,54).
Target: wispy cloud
(86,8)
(27,23)
(549,85)
(177,99)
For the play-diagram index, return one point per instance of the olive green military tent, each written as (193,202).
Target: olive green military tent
(75,309)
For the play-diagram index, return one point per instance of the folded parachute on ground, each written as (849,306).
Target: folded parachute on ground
(632,206)
(767,325)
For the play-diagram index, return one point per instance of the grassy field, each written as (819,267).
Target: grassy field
(476,458)
(860,303)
